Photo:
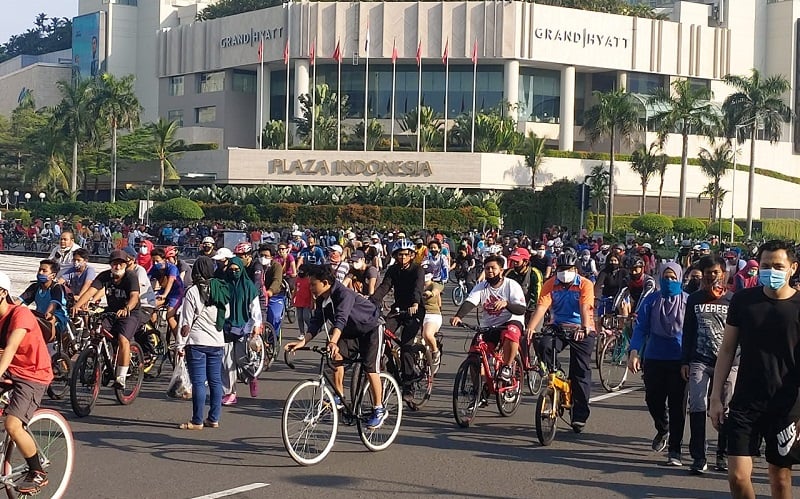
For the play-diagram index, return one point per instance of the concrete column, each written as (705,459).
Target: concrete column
(301,83)
(622,80)
(511,86)
(566,139)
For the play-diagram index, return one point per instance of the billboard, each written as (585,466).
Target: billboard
(88,46)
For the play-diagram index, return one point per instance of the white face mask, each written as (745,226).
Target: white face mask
(266,262)
(143,250)
(565,276)
(358,264)
(118,273)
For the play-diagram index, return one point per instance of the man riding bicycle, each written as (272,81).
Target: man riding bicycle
(121,288)
(571,299)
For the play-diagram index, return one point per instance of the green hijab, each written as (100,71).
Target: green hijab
(242,293)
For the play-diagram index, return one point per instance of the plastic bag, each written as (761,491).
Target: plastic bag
(180,386)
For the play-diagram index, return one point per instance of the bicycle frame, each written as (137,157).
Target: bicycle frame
(481,348)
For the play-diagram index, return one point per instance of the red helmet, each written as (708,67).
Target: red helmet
(170,252)
(243,249)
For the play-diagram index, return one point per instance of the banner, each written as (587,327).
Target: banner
(88,46)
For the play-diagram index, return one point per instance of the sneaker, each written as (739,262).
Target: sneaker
(33,482)
(301,337)
(660,441)
(698,467)
(505,374)
(721,464)
(578,426)
(229,399)
(254,387)
(379,415)
(337,401)
(483,401)
(673,459)
(119,383)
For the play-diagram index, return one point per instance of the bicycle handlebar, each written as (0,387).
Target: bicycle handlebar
(315,348)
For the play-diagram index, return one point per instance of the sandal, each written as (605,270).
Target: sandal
(211,424)
(190,426)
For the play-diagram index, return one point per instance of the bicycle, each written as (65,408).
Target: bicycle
(310,418)
(612,362)
(97,364)
(476,380)
(54,442)
(289,310)
(155,335)
(272,344)
(459,293)
(65,348)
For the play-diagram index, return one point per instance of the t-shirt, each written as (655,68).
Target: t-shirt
(704,326)
(542,263)
(484,295)
(769,338)
(31,360)
(117,294)
(340,270)
(75,280)
(163,273)
(44,297)
(314,256)
(566,299)
(359,278)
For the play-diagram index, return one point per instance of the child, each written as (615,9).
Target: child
(49,297)
(302,301)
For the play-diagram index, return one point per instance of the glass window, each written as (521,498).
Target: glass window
(176,115)
(244,82)
(277,98)
(176,86)
(643,83)
(207,114)
(211,82)
(540,95)
(698,83)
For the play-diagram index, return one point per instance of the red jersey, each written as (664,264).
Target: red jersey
(32,360)
(302,296)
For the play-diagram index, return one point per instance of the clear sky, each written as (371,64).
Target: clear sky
(19,17)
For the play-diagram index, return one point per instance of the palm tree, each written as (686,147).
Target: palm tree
(713,164)
(598,186)
(716,194)
(757,103)
(116,100)
(662,172)
(646,163)
(72,116)
(615,115)
(688,110)
(167,148)
(533,150)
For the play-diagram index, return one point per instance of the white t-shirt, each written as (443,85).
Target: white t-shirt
(484,294)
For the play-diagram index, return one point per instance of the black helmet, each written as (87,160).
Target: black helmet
(567,259)
(635,261)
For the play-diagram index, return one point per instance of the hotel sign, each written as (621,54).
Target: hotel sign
(251,38)
(583,38)
(373,168)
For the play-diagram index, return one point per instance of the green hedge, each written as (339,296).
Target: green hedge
(80,209)
(781,229)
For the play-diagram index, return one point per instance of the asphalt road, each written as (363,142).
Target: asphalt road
(138,452)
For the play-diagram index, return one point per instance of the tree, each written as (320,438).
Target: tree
(758,102)
(274,134)
(430,124)
(533,150)
(614,116)
(662,172)
(374,133)
(167,148)
(177,209)
(598,187)
(49,34)
(687,111)
(689,226)
(646,164)
(716,194)
(713,164)
(324,116)
(495,131)
(116,100)
(652,224)
(72,117)
(224,8)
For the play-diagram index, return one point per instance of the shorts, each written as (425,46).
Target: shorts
(746,427)
(368,346)
(510,331)
(26,397)
(124,326)
(173,302)
(435,319)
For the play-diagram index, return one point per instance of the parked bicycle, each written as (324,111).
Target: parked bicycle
(460,292)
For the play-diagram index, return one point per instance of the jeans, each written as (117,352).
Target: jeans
(580,370)
(304,318)
(205,364)
(665,394)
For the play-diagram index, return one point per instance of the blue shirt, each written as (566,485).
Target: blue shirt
(44,297)
(656,347)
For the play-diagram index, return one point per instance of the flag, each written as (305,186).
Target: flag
(286,53)
(312,55)
(366,42)
(446,53)
(261,51)
(394,52)
(337,53)
(419,53)
(475,52)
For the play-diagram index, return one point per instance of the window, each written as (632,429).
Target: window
(207,114)
(211,82)
(176,86)
(540,95)
(277,97)
(643,83)
(244,82)
(176,115)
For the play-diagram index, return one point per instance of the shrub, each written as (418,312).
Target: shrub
(726,228)
(780,229)
(689,226)
(622,223)
(107,211)
(652,224)
(20,214)
(177,209)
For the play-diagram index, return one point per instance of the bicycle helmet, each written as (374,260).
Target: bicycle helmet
(635,262)
(567,259)
(244,248)
(402,244)
(170,252)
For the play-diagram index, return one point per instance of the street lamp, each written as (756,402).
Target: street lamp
(7,201)
(42,195)
(27,197)
(16,199)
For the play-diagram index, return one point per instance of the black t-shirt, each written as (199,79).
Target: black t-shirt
(612,281)
(769,338)
(117,294)
(542,263)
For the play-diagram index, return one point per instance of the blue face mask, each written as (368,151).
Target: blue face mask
(771,278)
(670,287)
(42,278)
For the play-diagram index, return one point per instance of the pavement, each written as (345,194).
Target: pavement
(137,451)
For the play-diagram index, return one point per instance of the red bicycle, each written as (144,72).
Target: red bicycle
(476,380)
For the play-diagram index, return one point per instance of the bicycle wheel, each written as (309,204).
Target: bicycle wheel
(458,295)
(272,345)
(355,375)
(546,416)
(377,439)
(133,383)
(613,364)
(84,385)
(467,392)
(56,448)
(533,376)
(62,374)
(602,338)
(510,397)
(166,356)
(309,423)
(421,388)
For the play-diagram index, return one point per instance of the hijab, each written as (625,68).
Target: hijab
(666,320)
(242,293)
(747,281)
(212,291)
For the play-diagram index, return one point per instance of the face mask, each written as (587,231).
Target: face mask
(636,277)
(771,278)
(234,274)
(358,265)
(752,273)
(494,281)
(585,258)
(79,265)
(207,248)
(613,266)
(670,287)
(143,250)
(434,252)
(42,278)
(265,262)
(566,276)
(692,286)
(118,273)
(161,266)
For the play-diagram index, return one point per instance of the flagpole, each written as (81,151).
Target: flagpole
(286,60)
(366,90)
(474,89)
(419,95)
(446,86)
(261,98)
(394,79)
(313,94)
(338,102)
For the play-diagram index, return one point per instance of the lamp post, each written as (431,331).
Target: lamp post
(27,197)
(16,199)
(42,195)
(7,201)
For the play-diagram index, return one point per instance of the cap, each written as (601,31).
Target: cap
(519,255)
(117,255)
(401,235)
(297,233)
(750,263)
(208,239)
(730,254)
(357,255)
(223,254)
(704,246)
(375,236)
(130,252)
(336,248)
(418,241)
(647,245)
(5,283)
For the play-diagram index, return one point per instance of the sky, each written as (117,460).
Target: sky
(19,18)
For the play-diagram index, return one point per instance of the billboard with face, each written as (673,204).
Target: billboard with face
(88,46)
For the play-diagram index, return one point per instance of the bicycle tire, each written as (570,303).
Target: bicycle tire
(422,387)
(458,296)
(355,374)
(62,374)
(84,385)
(127,395)
(546,417)
(508,401)
(467,392)
(56,447)
(245,377)
(308,411)
(602,339)
(613,365)
(272,346)
(380,438)
(533,376)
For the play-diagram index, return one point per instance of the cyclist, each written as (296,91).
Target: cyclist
(503,309)
(184,269)
(26,361)
(529,278)
(289,264)
(311,254)
(121,288)
(65,251)
(609,283)
(363,277)
(407,279)
(637,288)
(147,296)
(49,297)
(572,299)
(78,278)
(355,329)
(337,262)
(587,266)
(541,260)
(273,299)
(171,289)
